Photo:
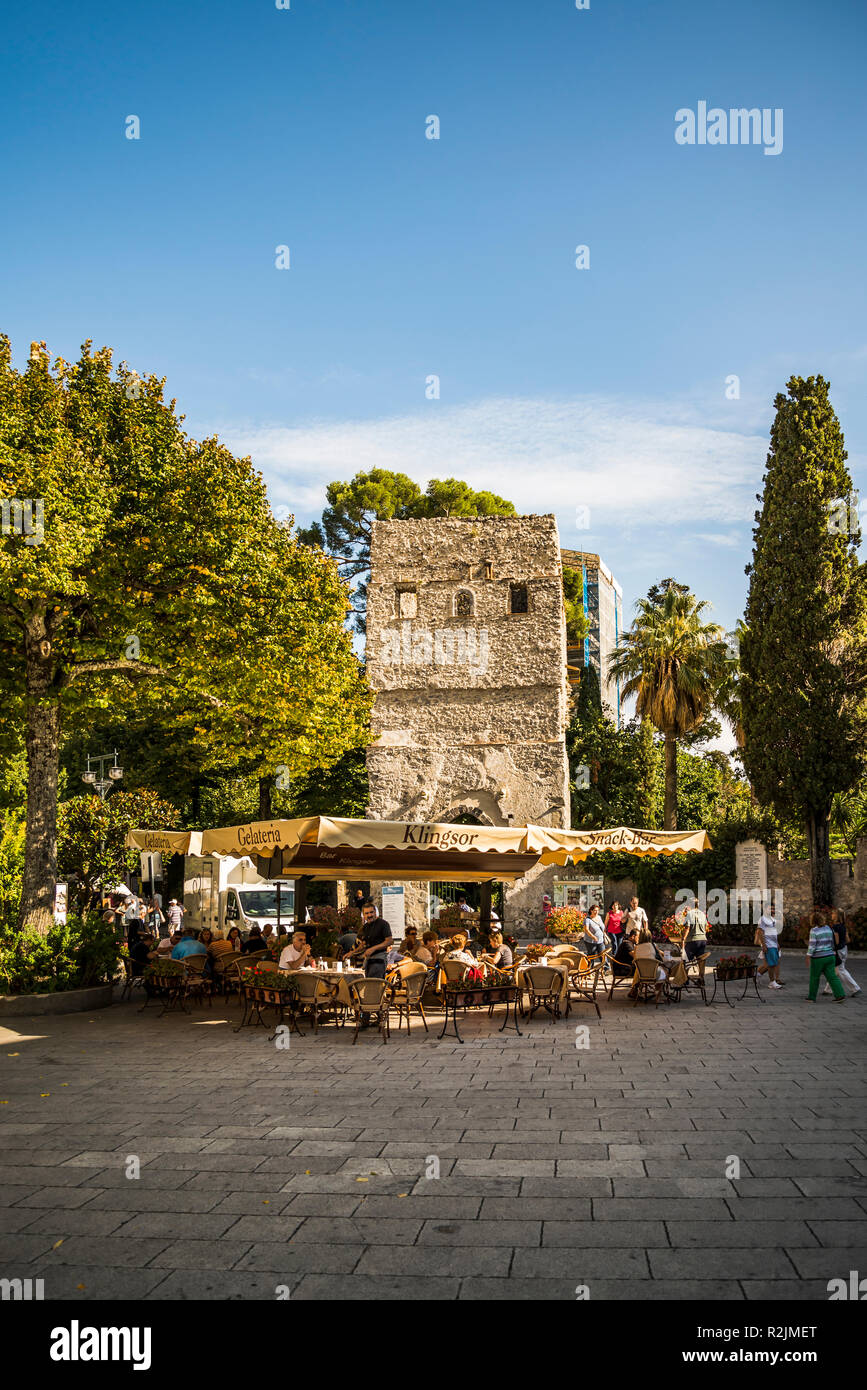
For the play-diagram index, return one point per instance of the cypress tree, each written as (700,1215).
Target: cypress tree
(804,652)
(588,703)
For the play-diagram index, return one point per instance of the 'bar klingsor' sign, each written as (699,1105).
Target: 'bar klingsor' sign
(442,837)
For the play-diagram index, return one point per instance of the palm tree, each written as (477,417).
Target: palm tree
(673,662)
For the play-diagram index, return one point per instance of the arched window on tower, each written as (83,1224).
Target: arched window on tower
(465,604)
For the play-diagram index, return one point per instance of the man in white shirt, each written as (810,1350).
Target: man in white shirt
(636,916)
(293,956)
(770,949)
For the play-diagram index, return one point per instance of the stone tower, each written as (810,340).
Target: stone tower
(466,655)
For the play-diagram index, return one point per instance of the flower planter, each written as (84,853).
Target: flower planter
(64,1001)
(259,995)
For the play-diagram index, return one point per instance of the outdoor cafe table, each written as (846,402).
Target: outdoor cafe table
(560,966)
(341,978)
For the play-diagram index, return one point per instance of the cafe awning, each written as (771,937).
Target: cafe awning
(331,847)
(572,846)
(165,841)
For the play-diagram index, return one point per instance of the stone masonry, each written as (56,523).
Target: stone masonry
(466,644)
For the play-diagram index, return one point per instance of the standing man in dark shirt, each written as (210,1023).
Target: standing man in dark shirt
(376,936)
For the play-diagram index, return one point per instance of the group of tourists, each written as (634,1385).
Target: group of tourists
(154,934)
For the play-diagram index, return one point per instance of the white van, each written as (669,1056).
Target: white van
(221,892)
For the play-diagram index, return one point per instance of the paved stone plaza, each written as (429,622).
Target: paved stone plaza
(559,1166)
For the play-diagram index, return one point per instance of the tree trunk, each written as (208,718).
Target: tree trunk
(670,817)
(819,841)
(43,755)
(265,784)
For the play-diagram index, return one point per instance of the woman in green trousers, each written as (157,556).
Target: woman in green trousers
(820,954)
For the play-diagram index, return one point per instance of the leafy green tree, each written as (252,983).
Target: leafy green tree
(346,528)
(339,790)
(656,593)
(159,562)
(451,497)
(91,833)
(804,656)
(577,622)
(609,773)
(587,704)
(849,819)
(672,661)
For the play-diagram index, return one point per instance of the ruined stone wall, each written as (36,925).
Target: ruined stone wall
(471,696)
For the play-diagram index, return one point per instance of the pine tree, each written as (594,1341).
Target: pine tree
(804,653)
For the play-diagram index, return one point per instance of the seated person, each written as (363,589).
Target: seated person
(622,962)
(500,954)
(235,939)
(188,945)
(296,954)
(219,945)
(167,943)
(346,942)
(268,934)
(428,951)
(254,942)
(458,950)
(140,951)
(648,950)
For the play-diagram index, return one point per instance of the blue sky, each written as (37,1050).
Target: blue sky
(602,388)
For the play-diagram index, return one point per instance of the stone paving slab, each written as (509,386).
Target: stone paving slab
(556,1166)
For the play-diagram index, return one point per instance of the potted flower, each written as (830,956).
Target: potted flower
(566,923)
(735,967)
(265,984)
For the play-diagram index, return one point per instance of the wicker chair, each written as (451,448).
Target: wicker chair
(645,984)
(544,985)
(454,970)
(316,997)
(618,981)
(129,979)
(370,1002)
(407,993)
(694,976)
(197,984)
(227,972)
(583,984)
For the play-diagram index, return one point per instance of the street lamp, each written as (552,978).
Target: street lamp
(98,780)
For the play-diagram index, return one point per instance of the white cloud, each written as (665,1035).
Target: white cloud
(653,464)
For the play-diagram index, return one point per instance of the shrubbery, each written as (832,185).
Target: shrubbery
(80,953)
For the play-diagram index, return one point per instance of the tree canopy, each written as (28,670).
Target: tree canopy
(345,529)
(673,662)
(803,685)
(160,576)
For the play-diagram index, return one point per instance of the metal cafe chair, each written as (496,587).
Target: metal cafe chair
(645,983)
(315,996)
(583,984)
(406,996)
(197,985)
(370,1003)
(544,985)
